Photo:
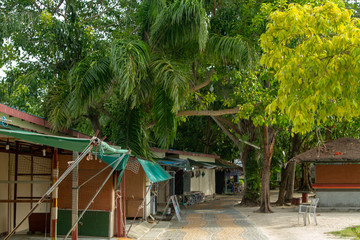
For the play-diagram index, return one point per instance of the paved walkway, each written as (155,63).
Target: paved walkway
(211,220)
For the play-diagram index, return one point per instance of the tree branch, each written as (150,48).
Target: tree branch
(37,6)
(134,31)
(229,124)
(98,15)
(203,84)
(227,132)
(208,112)
(220,124)
(57,7)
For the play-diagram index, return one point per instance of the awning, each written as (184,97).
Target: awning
(194,163)
(154,171)
(207,164)
(67,143)
(108,154)
(174,162)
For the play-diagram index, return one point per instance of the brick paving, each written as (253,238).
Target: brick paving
(213,220)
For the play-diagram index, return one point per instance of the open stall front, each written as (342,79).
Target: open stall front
(103,155)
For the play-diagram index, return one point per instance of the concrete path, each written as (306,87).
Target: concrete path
(212,220)
(219,219)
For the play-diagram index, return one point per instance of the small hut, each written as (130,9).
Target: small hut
(337,168)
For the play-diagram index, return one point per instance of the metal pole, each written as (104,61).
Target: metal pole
(75,199)
(54,207)
(90,202)
(51,189)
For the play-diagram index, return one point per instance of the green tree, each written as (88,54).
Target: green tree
(41,41)
(157,69)
(315,52)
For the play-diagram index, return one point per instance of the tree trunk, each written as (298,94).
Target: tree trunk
(248,158)
(282,189)
(285,186)
(290,182)
(305,184)
(93,115)
(252,180)
(268,143)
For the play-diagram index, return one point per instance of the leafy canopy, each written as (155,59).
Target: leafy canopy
(315,51)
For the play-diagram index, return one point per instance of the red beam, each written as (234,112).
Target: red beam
(336,186)
(37,120)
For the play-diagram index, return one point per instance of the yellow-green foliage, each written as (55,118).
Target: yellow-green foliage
(46,17)
(315,52)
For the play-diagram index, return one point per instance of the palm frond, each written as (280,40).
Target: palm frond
(232,50)
(128,131)
(165,127)
(91,78)
(60,99)
(182,22)
(148,13)
(129,62)
(142,92)
(173,76)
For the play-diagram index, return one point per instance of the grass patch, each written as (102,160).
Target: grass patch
(350,232)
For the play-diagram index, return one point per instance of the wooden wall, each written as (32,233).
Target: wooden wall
(87,169)
(134,192)
(342,173)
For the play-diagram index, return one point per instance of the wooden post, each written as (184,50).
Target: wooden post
(54,195)
(75,198)
(120,210)
(16,178)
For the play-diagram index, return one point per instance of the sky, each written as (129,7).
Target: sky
(2,73)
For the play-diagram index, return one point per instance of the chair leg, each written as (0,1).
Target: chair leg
(309,218)
(304,219)
(315,218)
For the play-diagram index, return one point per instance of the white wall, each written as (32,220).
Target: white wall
(147,198)
(158,154)
(206,183)
(4,162)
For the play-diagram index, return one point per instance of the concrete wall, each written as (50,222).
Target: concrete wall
(338,198)
(206,183)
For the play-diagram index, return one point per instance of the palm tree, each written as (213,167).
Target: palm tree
(149,75)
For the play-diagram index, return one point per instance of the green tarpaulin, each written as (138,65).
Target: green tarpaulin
(109,154)
(154,171)
(67,143)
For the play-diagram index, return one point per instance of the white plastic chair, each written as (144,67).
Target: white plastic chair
(302,211)
(308,210)
(311,210)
